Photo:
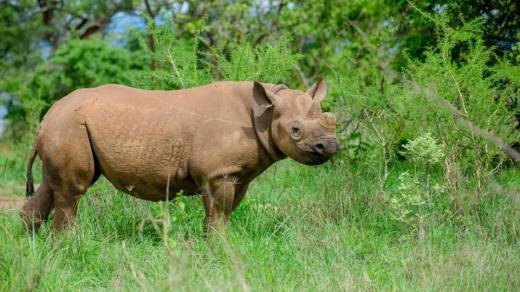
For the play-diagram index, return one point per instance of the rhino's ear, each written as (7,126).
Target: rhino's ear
(318,90)
(264,102)
(264,96)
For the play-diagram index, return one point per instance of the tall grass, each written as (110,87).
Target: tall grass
(321,228)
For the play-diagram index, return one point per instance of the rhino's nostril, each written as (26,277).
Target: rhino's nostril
(326,147)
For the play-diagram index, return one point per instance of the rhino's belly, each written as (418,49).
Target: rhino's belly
(154,174)
(154,190)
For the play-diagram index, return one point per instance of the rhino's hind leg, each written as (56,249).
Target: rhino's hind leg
(71,169)
(78,175)
(68,191)
(66,209)
(37,209)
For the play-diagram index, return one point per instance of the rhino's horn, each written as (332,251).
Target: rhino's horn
(315,110)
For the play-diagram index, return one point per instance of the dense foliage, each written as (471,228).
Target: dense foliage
(426,95)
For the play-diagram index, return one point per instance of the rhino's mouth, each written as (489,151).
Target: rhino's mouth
(316,158)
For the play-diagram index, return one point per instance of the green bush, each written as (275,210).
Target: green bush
(178,63)
(84,63)
(268,62)
(461,71)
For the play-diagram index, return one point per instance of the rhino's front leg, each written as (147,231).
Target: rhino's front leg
(218,200)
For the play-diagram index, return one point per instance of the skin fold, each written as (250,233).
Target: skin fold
(211,141)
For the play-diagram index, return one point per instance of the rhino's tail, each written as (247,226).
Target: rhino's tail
(29,185)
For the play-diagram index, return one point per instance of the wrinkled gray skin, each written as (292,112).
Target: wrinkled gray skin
(211,140)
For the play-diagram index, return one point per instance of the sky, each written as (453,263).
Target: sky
(3,112)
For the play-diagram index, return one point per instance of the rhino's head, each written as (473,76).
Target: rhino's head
(294,122)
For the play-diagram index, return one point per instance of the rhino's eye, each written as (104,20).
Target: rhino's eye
(296,131)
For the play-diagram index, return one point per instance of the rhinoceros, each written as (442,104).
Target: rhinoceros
(211,140)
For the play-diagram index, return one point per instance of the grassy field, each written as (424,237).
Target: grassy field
(299,228)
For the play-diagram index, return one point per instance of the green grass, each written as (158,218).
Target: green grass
(299,228)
